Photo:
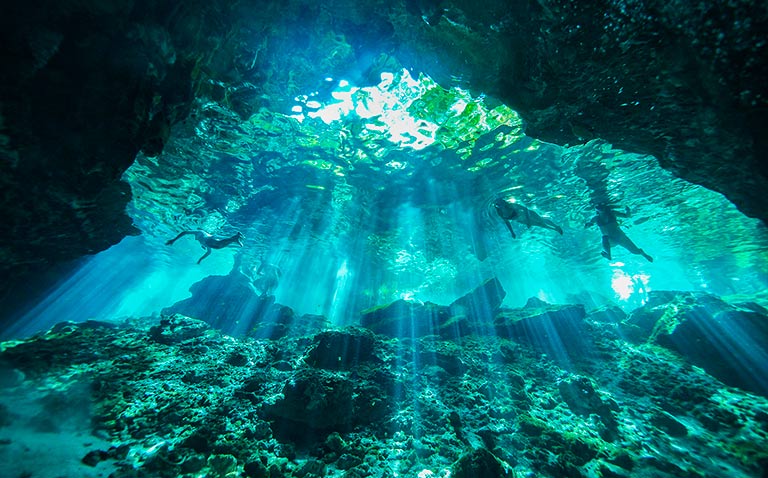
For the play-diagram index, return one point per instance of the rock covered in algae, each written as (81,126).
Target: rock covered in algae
(729,342)
(208,404)
(177,329)
(480,463)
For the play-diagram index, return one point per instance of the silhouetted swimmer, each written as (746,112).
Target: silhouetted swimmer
(512,211)
(209,242)
(268,278)
(606,220)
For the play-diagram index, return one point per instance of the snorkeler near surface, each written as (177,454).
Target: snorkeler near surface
(209,242)
(268,278)
(512,211)
(606,220)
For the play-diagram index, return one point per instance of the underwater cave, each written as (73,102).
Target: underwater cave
(421,238)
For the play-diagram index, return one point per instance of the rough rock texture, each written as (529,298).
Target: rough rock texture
(479,463)
(86,85)
(482,302)
(679,80)
(177,329)
(205,404)
(581,397)
(343,350)
(727,341)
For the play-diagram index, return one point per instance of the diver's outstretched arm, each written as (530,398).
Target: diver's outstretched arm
(207,253)
(509,226)
(184,233)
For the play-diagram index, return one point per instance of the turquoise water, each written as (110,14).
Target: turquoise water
(385,192)
(374,206)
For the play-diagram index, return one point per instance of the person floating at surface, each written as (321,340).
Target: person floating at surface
(510,210)
(209,242)
(606,220)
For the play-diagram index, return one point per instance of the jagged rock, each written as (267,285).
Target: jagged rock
(464,316)
(316,398)
(328,400)
(256,469)
(609,314)
(558,330)
(342,349)
(581,397)
(479,463)
(728,342)
(229,304)
(311,469)
(669,424)
(222,465)
(193,404)
(405,319)
(178,328)
(482,302)
(443,354)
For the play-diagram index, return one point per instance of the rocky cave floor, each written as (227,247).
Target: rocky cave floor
(174,397)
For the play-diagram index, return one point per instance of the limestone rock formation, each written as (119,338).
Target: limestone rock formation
(558,330)
(467,314)
(727,341)
(203,403)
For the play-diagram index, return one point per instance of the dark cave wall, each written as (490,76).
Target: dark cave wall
(681,80)
(86,85)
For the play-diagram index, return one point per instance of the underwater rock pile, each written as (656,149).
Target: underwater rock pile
(729,341)
(176,398)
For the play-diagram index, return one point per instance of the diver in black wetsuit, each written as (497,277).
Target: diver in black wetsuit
(513,211)
(606,220)
(209,242)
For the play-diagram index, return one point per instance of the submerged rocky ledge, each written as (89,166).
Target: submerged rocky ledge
(549,390)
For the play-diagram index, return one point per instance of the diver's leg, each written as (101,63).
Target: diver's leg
(207,253)
(170,243)
(606,248)
(627,244)
(549,224)
(647,257)
(509,226)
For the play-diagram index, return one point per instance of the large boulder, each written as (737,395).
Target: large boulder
(315,400)
(469,314)
(230,304)
(558,330)
(729,342)
(481,302)
(177,329)
(343,349)
(405,319)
